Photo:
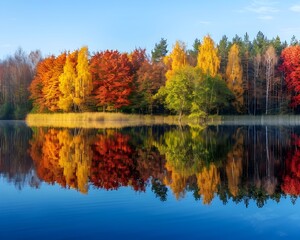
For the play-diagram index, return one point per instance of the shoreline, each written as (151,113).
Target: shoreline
(99,120)
(120,120)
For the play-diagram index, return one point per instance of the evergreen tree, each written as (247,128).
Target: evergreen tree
(159,51)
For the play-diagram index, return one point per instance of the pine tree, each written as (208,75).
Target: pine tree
(159,51)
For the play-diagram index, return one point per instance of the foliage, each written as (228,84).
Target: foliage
(159,51)
(83,82)
(130,82)
(112,79)
(210,95)
(66,83)
(291,69)
(234,77)
(179,88)
(208,58)
(176,59)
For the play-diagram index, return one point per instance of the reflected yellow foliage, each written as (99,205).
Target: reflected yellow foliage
(177,181)
(65,157)
(234,165)
(75,159)
(208,181)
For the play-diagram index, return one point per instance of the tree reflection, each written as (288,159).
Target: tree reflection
(15,163)
(113,165)
(63,157)
(193,154)
(291,178)
(235,164)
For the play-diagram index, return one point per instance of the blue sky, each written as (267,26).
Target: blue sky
(57,25)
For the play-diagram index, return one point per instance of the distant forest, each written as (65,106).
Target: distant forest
(240,76)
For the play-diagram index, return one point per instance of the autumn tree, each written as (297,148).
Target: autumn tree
(137,59)
(151,76)
(66,83)
(291,69)
(208,58)
(112,79)
(83,82)
(51,92)
(234,77)
(176,59)
(43,74)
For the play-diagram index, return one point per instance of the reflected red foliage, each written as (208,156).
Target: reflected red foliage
(113,165)
(291,180)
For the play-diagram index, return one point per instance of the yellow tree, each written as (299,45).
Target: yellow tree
(208,60)
(176,59)
(83,82)
(66,83)
(234,77)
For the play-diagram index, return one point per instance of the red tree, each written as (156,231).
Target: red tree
(43,74)
(290,67)
(112,79)
(51,90)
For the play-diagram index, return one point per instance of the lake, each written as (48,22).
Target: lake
(152,182)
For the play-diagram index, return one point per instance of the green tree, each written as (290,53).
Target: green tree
(193,53)
(259,43)
(223,48)
(179,89)
(294,41)
(159,51)
(210,96)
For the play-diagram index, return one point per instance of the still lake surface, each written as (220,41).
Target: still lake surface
(223,182)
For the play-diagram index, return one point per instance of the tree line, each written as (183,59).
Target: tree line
(229,77)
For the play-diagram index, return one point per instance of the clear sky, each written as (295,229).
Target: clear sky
(57,25)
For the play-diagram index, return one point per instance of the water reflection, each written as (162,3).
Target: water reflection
(230,163)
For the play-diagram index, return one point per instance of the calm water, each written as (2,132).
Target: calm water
(149,183)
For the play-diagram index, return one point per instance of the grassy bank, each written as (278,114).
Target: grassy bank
(102,120)
(119,120)
(280,120)
(96,120)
